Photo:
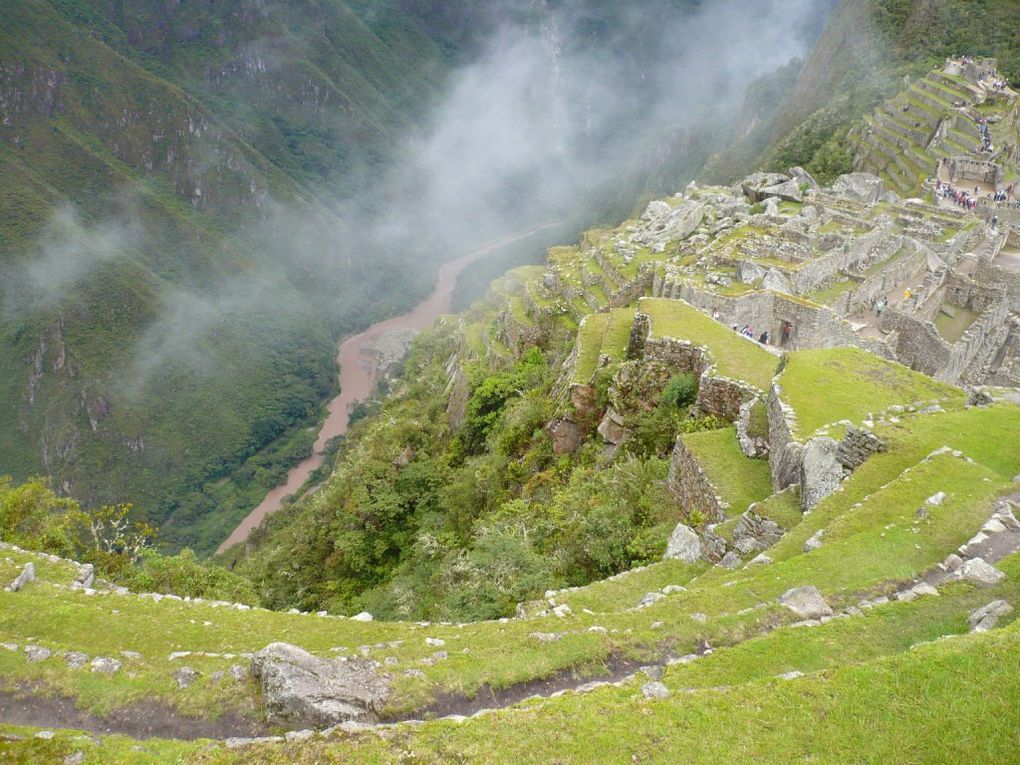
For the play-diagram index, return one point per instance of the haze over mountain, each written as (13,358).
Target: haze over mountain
(204,196)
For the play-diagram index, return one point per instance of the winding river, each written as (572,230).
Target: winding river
(358,369)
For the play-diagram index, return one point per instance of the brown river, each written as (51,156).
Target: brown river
(358,369)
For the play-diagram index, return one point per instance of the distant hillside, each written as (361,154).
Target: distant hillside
(865,51)
(167,240)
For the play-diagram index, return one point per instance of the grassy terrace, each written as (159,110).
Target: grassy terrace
(740,481)
(601,334)
(830,294)
(827,385)
(882,535)
(735,356)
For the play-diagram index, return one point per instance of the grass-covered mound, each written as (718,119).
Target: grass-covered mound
(826,385)
(735,355)
(740,480)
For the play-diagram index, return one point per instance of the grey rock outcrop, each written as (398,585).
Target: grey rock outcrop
(788,191)
(820,471)
(612,428)
(806,601)
(863,187)
(749,273)
(755,184)
(185,676)
(302,689)
(753,532)
(684,544)
(105,665)
(655,690)
(36,653)
(987,617)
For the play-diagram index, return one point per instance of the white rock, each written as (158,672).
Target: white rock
(806,602)
(936,499)
(655,690)
(980,572)
(364,616)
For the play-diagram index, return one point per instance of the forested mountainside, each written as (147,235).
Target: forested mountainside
(170,173)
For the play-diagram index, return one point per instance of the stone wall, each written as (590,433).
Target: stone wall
(690,486)
(962,168)
(857,446)
(785,454)
(964,292)
(722,397)
(872,287)
(1009,281)
(919,345)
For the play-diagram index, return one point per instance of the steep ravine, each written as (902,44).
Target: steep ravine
(358,370)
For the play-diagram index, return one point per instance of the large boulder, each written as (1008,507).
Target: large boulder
(981,572)
(861,187)
(301,689)
(753,532)
(754,185)
(684,544)
(678,223)
(820,471)
(788,191)
(807,602)
(776,281)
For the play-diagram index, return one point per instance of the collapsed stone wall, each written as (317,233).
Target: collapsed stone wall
(690,486)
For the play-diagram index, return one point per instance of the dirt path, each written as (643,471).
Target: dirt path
(358,376)
(140,720)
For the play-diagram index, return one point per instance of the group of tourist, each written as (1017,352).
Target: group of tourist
(748,331)
(960,198)
(986,134)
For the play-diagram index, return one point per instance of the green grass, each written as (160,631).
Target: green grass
(735,356)
(827,385)
(830,294)
(952,327)
(740,480)
(601,334)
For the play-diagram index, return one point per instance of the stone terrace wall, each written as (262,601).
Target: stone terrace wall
(690,486)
